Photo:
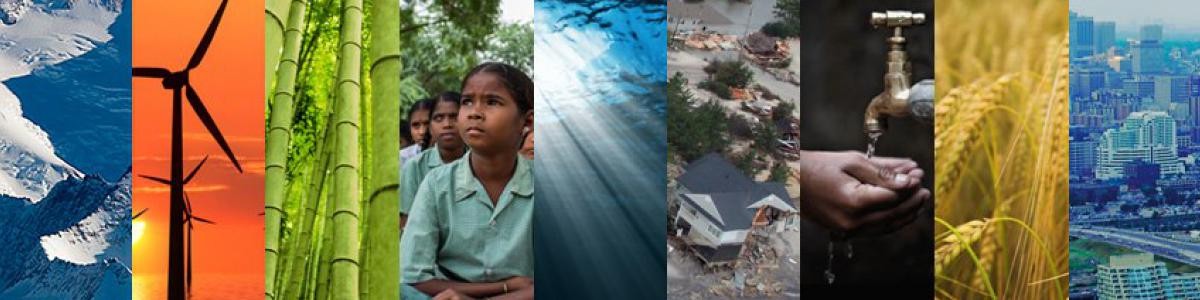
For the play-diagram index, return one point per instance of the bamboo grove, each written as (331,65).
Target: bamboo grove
(340,75)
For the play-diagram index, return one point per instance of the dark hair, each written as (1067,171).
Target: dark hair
(518,83)
(406,137)
(448,97)
(425,104)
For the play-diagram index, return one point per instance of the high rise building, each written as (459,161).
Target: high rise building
(1084,81)
(1140,88)
(1193,99)
(1105,36)
(1148,57)
(1082,31)
(1147,52)
(1133,276)
(1083,157)
(1183,286)
(1145,135)
(1194,85)
(1169,89)
(1138,276)
(1114,80)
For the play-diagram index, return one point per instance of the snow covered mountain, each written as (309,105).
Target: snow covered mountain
(63,234)
(72,245)
(103,233)
(35,34)
(28,165)
(83,108)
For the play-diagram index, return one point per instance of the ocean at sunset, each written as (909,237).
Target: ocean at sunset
(207,286)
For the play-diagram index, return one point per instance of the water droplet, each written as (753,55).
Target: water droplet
(829,266)
(871,145)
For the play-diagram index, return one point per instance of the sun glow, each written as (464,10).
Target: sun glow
(138,228)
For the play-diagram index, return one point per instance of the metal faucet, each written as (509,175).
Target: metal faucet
(897,98)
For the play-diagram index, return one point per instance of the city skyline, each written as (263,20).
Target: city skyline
(1134,151)
(1178,24)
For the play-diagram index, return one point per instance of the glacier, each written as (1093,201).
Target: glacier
(65,232)
(87,220)
(42,33)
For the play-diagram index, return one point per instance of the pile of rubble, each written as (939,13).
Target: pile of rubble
(757,270)
(710,41)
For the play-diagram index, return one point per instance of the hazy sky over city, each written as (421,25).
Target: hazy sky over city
(1179,17)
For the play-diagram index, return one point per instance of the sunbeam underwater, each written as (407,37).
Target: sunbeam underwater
(600,104)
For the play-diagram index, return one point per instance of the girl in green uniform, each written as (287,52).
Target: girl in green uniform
(470,231)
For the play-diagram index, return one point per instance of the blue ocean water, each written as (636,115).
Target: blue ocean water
(600,222)
(84,104)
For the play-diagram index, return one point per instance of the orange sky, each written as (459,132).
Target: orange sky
(165,34)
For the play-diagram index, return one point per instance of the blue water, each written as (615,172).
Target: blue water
(83,104)
(600,170)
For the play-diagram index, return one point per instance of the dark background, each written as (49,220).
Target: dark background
(843,60)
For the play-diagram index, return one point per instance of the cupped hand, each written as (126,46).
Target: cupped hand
(849,193)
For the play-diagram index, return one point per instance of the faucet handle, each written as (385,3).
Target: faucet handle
(897,18)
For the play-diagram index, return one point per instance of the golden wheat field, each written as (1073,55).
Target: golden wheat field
(1001,148)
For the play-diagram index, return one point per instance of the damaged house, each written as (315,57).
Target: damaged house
(719,207)
(766,50)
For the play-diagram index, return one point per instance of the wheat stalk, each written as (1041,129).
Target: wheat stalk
(1002,149)
(956,241)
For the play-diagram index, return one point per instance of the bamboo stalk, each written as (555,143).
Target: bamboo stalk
(344,263)
(276,16)
(279,135)
(303,242)
(383,240)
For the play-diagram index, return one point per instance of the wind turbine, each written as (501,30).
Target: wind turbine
(188,217)
(179,84)
(191,217)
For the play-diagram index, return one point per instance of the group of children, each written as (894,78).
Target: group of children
(466,190)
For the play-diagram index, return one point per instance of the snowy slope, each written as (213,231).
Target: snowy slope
(42,35)
(72,245)
(28,165)
(82,107)
(35,34)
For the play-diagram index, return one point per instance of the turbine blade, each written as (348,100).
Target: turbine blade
(151,72)
(206,118)
(208,37)
(187,204)
(139,214)
(203,220)
(156,179)
(194,170)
